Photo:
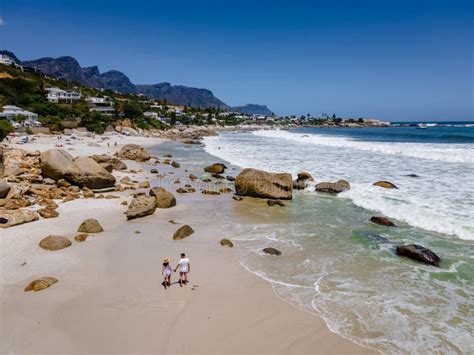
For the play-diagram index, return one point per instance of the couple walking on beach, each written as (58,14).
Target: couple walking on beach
(184,267)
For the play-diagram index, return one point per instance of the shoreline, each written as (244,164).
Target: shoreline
(109,297)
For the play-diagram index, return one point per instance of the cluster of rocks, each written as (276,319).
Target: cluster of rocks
(58,242)
(41,180)
(144,205)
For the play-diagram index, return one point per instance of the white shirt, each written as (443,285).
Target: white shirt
(183,265)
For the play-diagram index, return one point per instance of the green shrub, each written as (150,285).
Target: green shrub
(5,129)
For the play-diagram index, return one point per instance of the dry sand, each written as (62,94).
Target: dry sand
(109,297)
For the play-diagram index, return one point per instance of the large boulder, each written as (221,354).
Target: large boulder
(40,284)
(58,164)
(183,232)
(385,184)
(9,218)
(418,253)
(4,189)
(91,175)
(164,199)
(54,242)
(90,225)
(258,183)
(134,152)
(217,168)
(141,206)
(333,188)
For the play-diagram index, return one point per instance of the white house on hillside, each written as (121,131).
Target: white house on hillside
(99,100)
(4,59)
(11,113)
(58,95)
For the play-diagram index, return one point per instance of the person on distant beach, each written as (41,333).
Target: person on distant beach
(184,267)
(166,272)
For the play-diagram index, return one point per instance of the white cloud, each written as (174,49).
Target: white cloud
(2,22)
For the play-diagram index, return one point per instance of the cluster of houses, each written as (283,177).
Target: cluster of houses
(19,117)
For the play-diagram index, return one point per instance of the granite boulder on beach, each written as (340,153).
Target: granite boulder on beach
(262,184)
(134,152)
(164,199)
(90,225)
(183,232)
(141,206)
(40,284)
(58,164)
(10,218)
(216,168)
(54,242)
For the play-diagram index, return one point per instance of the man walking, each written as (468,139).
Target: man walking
(184,267)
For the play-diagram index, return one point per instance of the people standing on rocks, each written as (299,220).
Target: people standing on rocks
(166,272)
(184,268)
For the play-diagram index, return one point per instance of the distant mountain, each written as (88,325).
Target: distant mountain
(253,109)
(68,68)
(182,95)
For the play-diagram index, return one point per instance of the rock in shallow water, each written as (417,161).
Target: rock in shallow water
(385,184)
(418,253)
(333,188)
(275,203)
(271,251)
(382,221)
(226,243)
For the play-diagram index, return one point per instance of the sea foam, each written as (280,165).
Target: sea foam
(440,200)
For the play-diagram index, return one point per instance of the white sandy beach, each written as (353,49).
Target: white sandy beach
(109,297)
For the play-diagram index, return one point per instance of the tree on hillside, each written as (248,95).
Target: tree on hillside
(173,118)
(132,110)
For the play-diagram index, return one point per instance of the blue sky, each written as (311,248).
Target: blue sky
(390,59)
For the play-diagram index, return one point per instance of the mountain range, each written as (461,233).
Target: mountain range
(68,68)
